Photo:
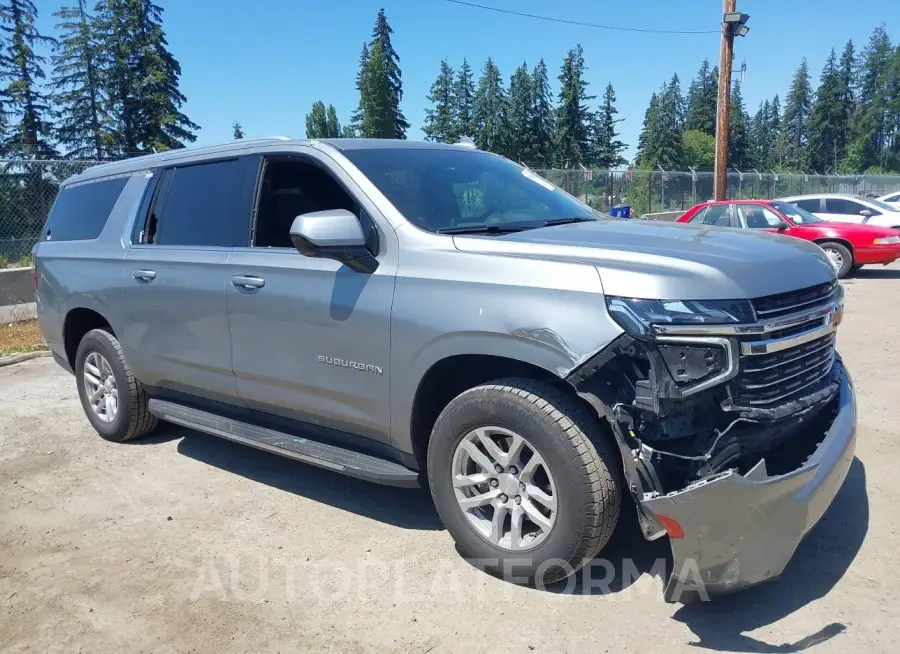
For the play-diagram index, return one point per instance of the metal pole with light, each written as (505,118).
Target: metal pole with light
(733,23)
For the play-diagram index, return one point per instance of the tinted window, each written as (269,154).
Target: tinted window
(892,198)
(756,216)
(440,189)
(200,205)
(80,212)
(843,207)
(812,204)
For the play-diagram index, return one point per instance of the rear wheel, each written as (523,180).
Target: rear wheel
(114,402)
(520,483)
(839,256)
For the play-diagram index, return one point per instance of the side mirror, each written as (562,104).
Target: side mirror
(868,213)
(782,226)
(333,234)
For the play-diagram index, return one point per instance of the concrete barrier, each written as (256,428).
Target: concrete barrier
(668,216)
(16,286)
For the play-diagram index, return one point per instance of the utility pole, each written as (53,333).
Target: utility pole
(733,24)
(723,105)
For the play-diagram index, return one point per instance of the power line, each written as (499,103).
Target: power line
(581,23)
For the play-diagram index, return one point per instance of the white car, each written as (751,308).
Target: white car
(841,208)
(892,199)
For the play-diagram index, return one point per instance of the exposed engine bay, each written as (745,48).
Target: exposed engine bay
(684,410)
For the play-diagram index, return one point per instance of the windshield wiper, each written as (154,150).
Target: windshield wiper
(571,219)
(493,228)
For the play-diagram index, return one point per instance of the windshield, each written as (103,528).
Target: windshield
(450,190)
(797,215)
(880,205)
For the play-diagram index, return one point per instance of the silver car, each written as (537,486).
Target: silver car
(413,313)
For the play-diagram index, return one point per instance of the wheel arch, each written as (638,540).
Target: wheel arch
(836,239)
(78,322)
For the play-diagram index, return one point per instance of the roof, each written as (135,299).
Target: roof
(248,146)
(812,196)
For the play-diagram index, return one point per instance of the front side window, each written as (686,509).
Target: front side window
(81,210)
(439,190)
(291,187)
(756,216)
(797,215)
(843,207)
(196,205)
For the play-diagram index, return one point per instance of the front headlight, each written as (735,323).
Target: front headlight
(635,316)
(887,240)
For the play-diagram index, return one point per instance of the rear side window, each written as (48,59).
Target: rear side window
(812,205)
(842,206)
(198,205)
(81,211)
(716,214)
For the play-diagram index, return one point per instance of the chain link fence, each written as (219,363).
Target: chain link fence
(651,191)
(28,188)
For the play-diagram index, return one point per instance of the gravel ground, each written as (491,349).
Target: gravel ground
(184,542)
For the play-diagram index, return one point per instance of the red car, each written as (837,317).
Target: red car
(849,246)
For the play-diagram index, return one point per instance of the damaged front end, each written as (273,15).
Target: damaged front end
(736,425)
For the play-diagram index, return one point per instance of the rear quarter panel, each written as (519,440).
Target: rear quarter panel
(85,274)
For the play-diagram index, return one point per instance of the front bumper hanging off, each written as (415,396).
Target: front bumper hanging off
(740,530)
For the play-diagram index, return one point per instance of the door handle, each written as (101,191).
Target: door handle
(144,275)
(248,282)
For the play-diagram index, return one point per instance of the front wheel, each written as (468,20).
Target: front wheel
(522,480)
(839,256)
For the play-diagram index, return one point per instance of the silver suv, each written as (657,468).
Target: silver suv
(403,312)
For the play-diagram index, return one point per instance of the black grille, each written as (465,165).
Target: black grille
(773,306)
(769,379)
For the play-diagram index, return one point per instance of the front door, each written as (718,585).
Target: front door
(310,337)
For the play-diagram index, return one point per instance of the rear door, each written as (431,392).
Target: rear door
(175,333)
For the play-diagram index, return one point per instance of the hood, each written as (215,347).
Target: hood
(670,261)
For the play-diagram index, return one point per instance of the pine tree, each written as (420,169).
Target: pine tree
(871,126)
(827,123)
(739,154)
(661,142)
(776,130)
(645,138)
(678,99)
(761,138)
(385,86)
(892,131)
(573,118)
(795,123)
(142,79)
(316,121)
(84,125)
(25,101)
(702,97)
(490,110)
(521,107)
(238,130)
(332,125)
(356,120)
(464,97)
(542,114)
(440,124)
(607,148)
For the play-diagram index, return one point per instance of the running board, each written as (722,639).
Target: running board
(323,455)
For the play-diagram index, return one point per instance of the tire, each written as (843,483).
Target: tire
(845,256)
(582,464)
(855,268)
(131,419)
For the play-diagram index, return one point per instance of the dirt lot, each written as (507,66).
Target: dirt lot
(189,543)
